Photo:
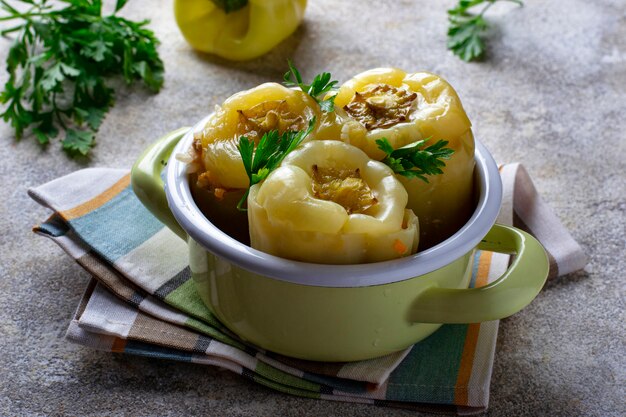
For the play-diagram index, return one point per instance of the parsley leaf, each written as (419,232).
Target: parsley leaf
(78,142)
(321,85)
(466,30)
(270,152)
(119,4)
(59,64)
(415,161)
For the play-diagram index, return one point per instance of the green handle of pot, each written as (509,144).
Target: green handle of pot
(145,178)
(513,291)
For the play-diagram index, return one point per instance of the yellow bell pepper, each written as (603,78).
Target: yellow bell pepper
(404,108)
(330,203)
(237,29)
(218,178)
(249,113)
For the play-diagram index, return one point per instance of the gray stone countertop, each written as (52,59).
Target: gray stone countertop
(551,94)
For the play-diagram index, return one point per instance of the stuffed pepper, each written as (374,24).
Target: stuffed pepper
(405,108)
(330,203)
(218,177)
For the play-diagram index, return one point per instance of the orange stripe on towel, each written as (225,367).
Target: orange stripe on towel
(97,201)
(471,338)
(118,345)
(484,265)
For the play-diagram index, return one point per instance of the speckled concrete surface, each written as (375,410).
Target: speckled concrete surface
(551,94)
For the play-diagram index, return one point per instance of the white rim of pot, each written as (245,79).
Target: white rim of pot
(200,229)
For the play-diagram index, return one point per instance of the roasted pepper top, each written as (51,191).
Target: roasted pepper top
(250,113)
(404,108)
(289,194)
(330,203)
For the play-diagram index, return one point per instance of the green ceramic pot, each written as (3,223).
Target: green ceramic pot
(342,312)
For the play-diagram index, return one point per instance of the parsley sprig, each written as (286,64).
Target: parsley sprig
(59,63)
(415,161)
(270,152)
(321,85)
(466,31)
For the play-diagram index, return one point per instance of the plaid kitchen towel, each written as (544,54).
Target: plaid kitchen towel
(142,301)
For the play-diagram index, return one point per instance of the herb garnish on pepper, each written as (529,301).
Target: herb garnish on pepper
(270,152)
(320,85)
(415,161)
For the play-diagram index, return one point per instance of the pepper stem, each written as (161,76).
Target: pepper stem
(230,6)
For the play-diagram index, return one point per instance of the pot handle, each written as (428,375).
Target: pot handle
(145,178)
(514,290)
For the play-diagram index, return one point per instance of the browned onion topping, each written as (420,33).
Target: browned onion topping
(380,106)
(344,187)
